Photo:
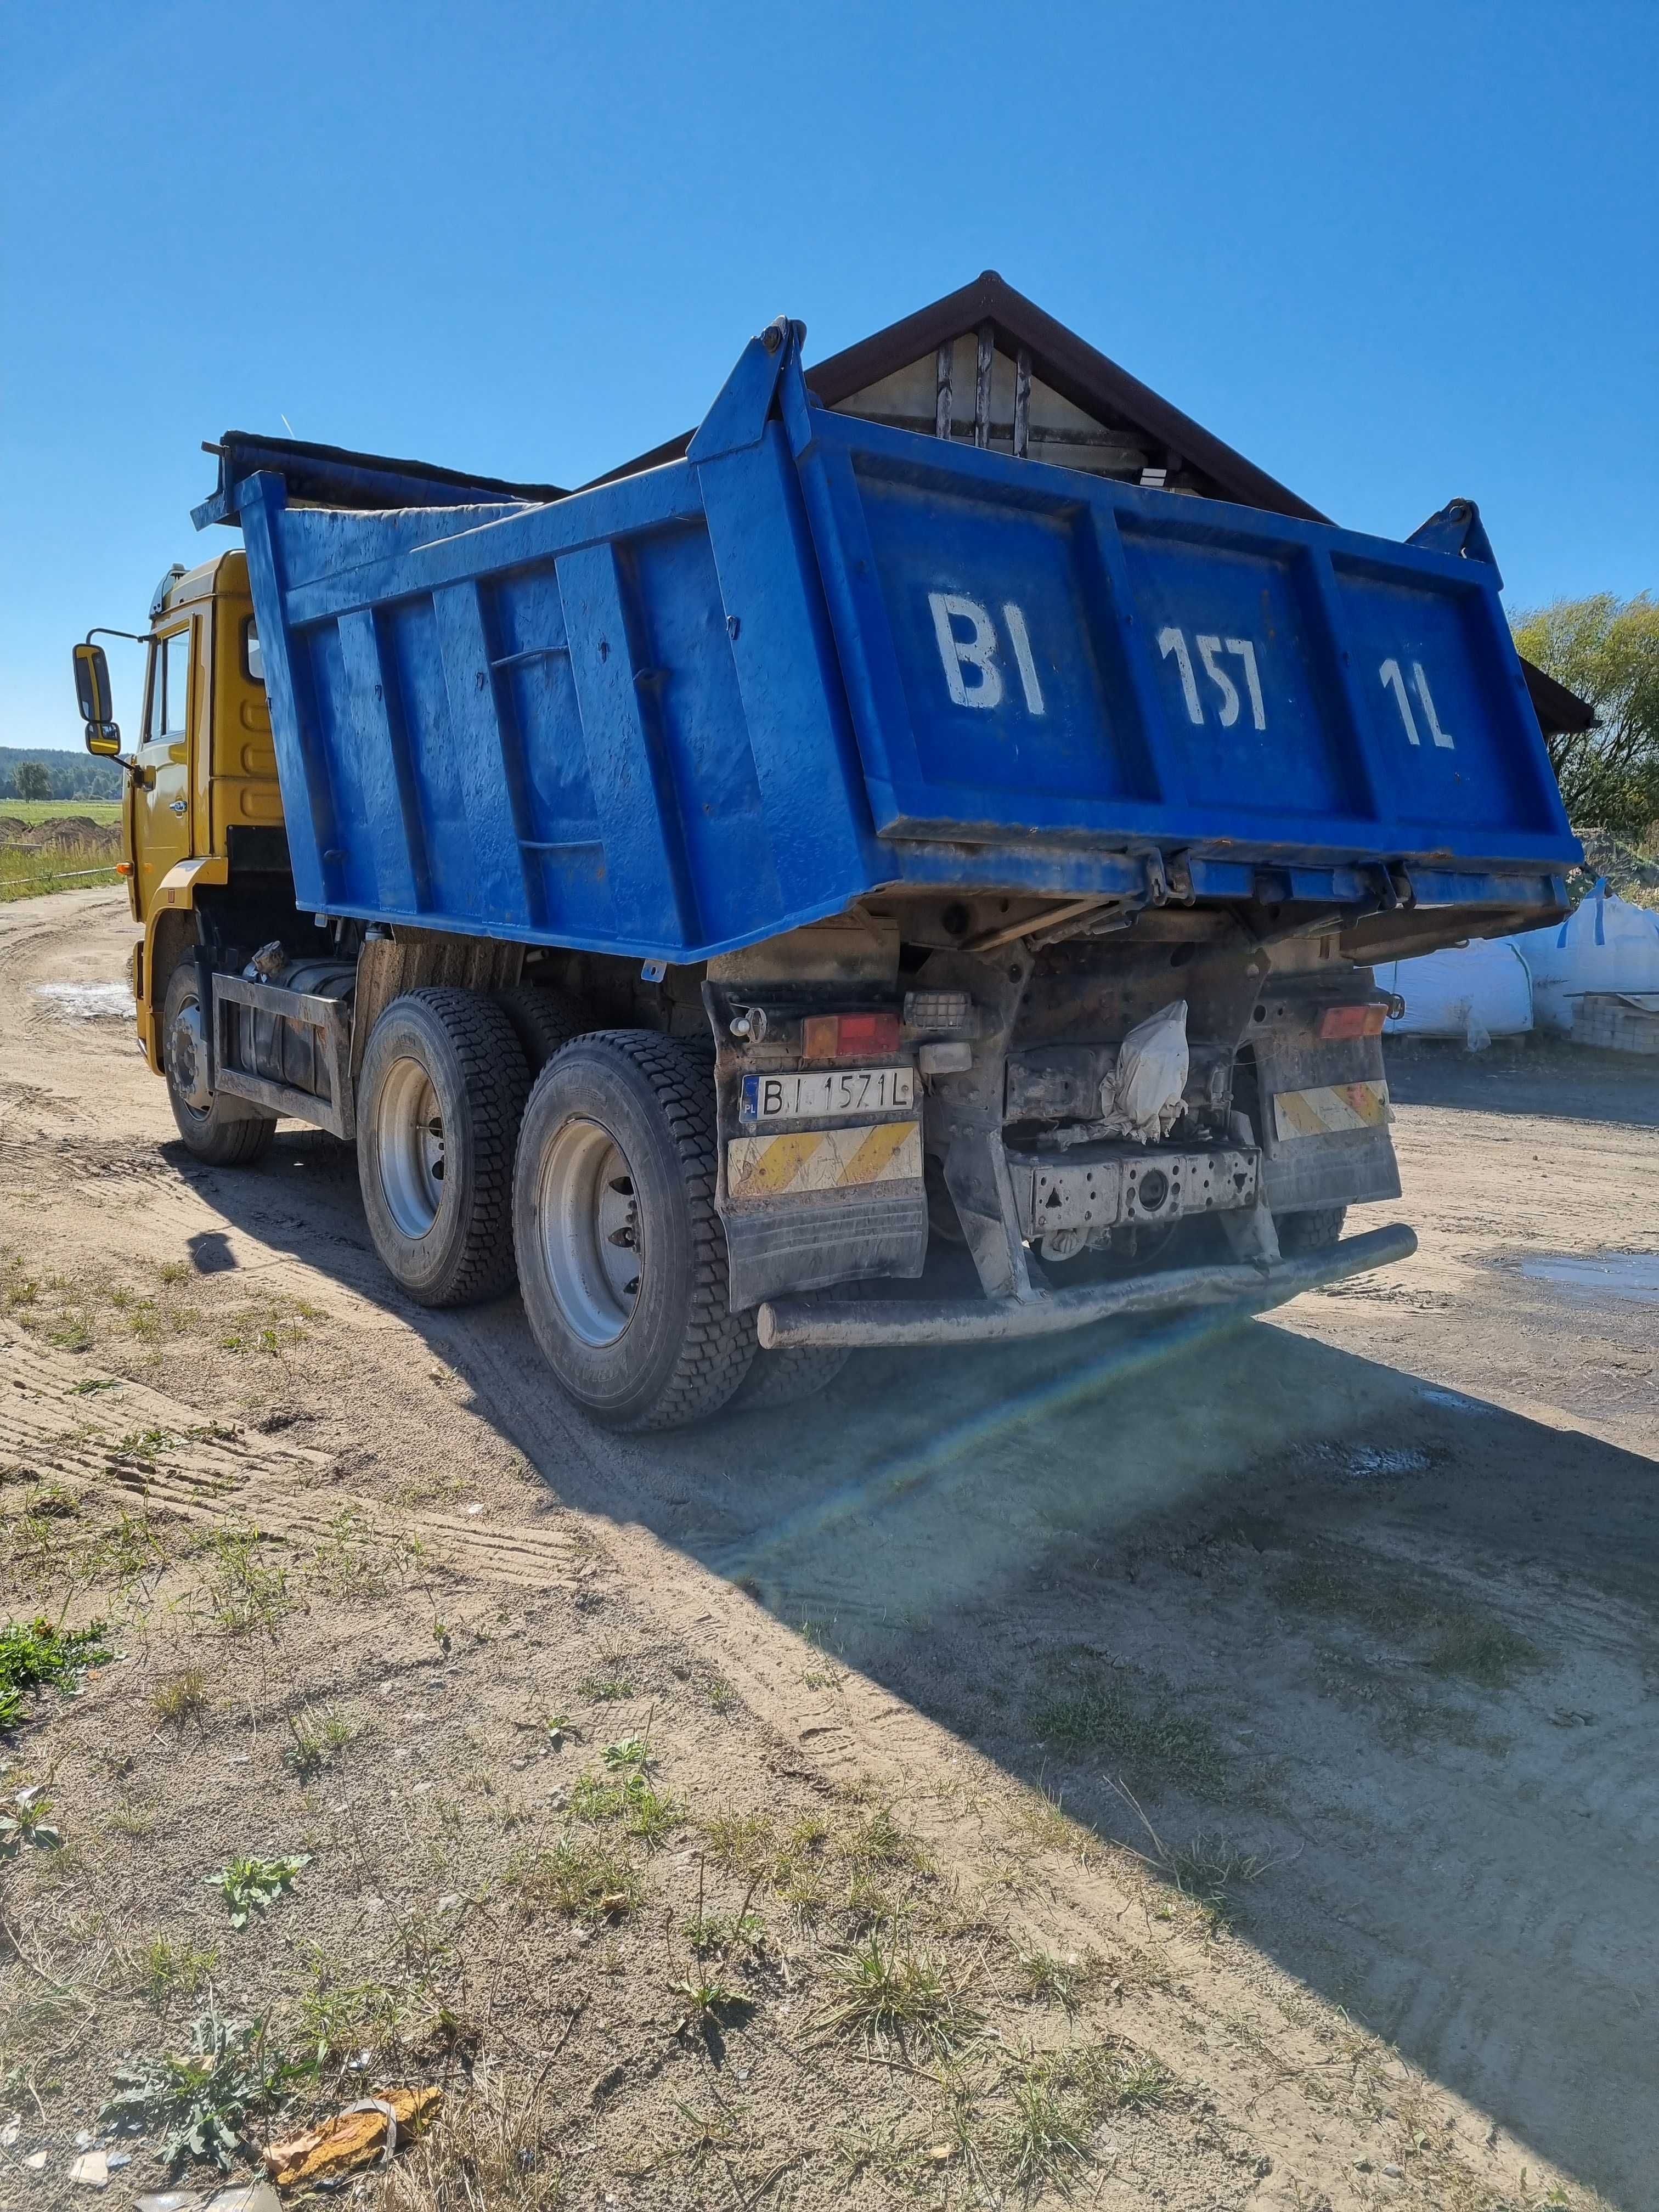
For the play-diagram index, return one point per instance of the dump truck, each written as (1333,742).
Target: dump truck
(838,888)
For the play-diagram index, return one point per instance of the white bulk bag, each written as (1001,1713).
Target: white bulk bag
(1142,1097)
(1604,945)
(1476,991)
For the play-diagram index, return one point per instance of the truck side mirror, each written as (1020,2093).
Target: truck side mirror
(94,698)
(92,692)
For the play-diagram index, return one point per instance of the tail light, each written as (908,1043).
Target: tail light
(849,1037)
(1339,1023)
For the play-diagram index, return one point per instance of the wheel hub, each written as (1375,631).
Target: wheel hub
(409,1133)
(187,1057)
(588,1217)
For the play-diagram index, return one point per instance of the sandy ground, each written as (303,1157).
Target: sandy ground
(1344,1620)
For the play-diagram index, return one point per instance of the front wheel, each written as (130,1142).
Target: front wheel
(226,1132)
(622,1256)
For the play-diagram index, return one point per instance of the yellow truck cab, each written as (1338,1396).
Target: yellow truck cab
(202,798)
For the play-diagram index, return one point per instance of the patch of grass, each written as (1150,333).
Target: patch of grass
(709,2003)
(127,1550)
(53,1502)
(1141,1725)
(586,1878)
(35,1654)
(887,1994)
(741,1843)
(314,1739)
(879,1842)
(349,1554)
(1209,1868)
(492,2150)
(129,1819)
(336,2018)
(1456,1639)
(1048,2133)
(1473,1646)
(176,1969)
(1059,2098)
(719,1935)
(605,1689)
(146,1444)
(253,1885)
(182,1697)
(1066,1979)
(243,1595)
(644,1812)
(722,1698)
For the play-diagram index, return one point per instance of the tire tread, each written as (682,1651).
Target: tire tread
(496,1078)
(717,1344)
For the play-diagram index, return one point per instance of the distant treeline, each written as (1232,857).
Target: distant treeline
(70,776)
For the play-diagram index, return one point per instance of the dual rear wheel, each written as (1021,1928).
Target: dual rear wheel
(596,1185)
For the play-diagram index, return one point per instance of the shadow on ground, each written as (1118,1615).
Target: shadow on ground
(1396,1643)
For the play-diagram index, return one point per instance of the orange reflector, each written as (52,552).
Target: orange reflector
(1342,1022)
(848,1037)
(124,867)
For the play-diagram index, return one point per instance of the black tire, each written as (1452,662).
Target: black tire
(1314,1230)
(543,1021)
(785,1378)
(635,1322)
(465,1048)
(226,1132)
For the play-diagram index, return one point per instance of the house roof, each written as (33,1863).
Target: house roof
(1190,458)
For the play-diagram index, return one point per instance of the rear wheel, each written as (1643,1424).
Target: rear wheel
(784,1378)
(1313,1230)
(622,1256)
(439,1102)
(543,1021)
(226,1132)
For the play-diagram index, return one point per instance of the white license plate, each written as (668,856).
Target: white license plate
(821,1094)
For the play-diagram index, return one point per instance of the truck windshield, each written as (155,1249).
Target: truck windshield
(253,667)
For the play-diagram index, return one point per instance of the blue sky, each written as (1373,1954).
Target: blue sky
(1392,252)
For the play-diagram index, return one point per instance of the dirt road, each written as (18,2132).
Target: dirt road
(1346,1621)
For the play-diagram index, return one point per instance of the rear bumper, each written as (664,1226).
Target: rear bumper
(785,1322)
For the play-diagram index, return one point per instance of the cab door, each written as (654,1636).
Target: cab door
(162,822)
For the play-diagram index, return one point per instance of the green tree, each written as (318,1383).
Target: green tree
(33,781)
(1606,650)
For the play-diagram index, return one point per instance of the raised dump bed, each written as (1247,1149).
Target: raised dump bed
(678,713)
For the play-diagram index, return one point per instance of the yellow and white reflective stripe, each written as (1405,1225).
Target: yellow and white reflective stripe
(1335,1106)
(821,1159)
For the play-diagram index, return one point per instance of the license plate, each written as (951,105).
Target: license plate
(824,1094)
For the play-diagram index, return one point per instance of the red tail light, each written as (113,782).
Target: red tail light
(1338,1023)
(849,1037)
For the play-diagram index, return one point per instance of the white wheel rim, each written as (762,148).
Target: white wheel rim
(588,1221)
(408,1138)
(187,1051)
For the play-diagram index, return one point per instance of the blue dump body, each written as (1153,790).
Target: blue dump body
(678,713)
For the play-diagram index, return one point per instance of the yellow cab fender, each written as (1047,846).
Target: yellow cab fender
(169,938)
